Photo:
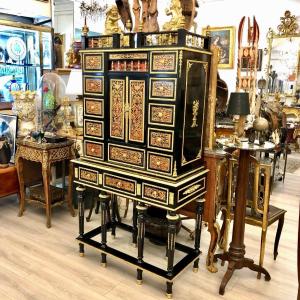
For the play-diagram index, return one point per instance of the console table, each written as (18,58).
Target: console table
(237,250)
(46,154)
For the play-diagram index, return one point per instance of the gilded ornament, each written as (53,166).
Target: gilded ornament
(192,189)
(177,19)
(195,113)
(111,21)
(288,24)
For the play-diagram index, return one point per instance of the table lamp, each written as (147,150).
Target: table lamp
(238,105)
(74,88)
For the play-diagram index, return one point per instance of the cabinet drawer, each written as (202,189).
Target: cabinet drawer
(93,107)
(119,184)
(94,129)
(93,85)
(126,156)
(154,193)
(161,114)
(160,163)
(162,89)
(160,139)
(163,62)
(195,188)
(88,176)
(94,150)
(92,62)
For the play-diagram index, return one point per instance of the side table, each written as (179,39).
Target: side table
(237,250)
(46,154)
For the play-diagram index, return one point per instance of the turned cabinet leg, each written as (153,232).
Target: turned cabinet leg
(104,201)
(114,207)
(80,196)
(134,224)
(141,210)
(198,227)
(173,218)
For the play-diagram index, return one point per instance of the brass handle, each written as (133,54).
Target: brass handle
(154,194)
(158,163)
(119,184)
(160,114)
(92,107)
(93,149)
(158,140)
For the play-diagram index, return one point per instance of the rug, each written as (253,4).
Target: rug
(292,165)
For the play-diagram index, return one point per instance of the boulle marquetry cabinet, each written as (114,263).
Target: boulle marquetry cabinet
(145,98)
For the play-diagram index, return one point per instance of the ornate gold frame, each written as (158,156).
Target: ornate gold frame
(231,29)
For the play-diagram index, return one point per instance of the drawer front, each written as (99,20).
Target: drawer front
(93,107)
(192,189)
(162,89)
(119,184)
(164,62)
(161,114)
(94,129)
(160,139)
(160,163)
(94,150)
(93,85)
(93,62)
(88,176)
(153,193)
(126,156)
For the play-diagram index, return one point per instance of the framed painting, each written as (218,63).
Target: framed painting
(224,38)
(8,128)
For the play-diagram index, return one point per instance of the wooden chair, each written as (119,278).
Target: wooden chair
(258,212)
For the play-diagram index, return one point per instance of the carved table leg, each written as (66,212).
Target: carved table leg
(80,192)
(104,200)
(141,209)
(19,162)
(134,223)
(198,226)
(46,171)
(70,190)
(214,235)
(173,218)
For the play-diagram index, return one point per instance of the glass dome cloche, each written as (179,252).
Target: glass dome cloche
(52,90)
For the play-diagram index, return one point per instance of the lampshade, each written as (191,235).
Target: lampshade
(74,86)
(238,104)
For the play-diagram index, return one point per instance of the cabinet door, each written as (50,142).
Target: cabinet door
(127,109)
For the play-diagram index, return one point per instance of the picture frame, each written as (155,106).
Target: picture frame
(9,128)
(224,38)
(258,64)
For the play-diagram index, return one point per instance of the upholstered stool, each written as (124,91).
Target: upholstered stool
(9,183)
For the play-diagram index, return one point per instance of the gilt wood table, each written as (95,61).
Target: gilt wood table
(46,154)
(237,250)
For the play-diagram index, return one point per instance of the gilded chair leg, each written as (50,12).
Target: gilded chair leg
(278,234)
(262,250)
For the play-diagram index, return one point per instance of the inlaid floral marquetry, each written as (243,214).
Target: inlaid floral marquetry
(155,193)
(93,129)
(88,175)
(94,107)
(94,149)
(162,88)
(117,101)
(94,85)
(93,62)
(164,62)
(137,110)
(161,114)
(127,155)
(160,139)
(159,163)
(120,184)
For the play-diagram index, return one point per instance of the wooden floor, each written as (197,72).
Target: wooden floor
(40,263)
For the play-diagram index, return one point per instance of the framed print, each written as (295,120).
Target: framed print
(224,38)
(8,128)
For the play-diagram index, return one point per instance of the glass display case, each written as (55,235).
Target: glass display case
(24,55)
